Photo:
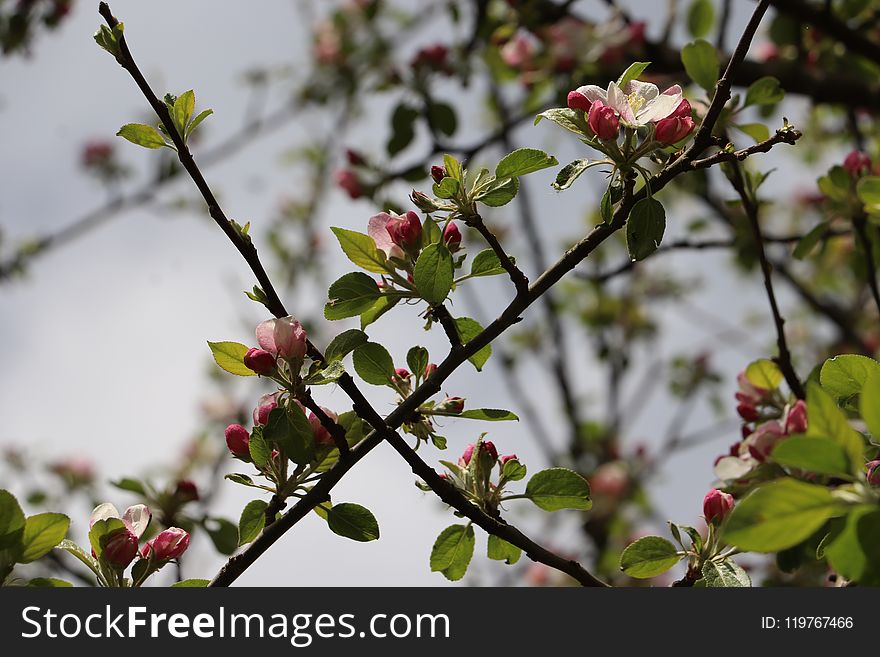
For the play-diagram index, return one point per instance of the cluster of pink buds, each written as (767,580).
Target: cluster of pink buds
(857,163)
(118,541)
(717,505)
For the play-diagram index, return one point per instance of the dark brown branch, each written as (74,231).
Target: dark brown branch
(333,428)
(750,206)
(518,278)
(783,136)
(441,314)
(870,265)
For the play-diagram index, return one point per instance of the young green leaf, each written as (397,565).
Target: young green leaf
(343,344)
(260,451)
(452,551)
(417,359)
(49,583)
(501,550)
(757,131)
(725,574)
(825,419)
(191,584)
(230,357)
(853,552)
(570,172)
(361,250)
(12,521)
(252,521)
(142,135)
(373,364)
(700,17)
(468,329)
(569,119)
(486,263)
(523,161)
(645,228)
(42,532)
(632,72)
(223,534)
(353,521)
(383,305)
(499,193)
(290,429)
(559,488)
(810,240)
(184,107)
(351,295)
(843,376)
(813,454)
(433,273)
(488,414)
(764,91)
(869,405)
(648,557)
(764,373)
(701,63)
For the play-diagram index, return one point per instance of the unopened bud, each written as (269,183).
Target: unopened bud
(405,230)
(577,101)
(438,173)
(452,237)
(169,544)
(260,361)
(119,547)
(238,440)
(717,505)
(604,121)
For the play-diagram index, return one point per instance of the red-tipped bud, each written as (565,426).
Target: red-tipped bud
(186,491)
(266,405)
(168,545)
(604,121)
(577,101)
(796,418)
(438,173)
(402,373)
(509,457)
(857,163)
(405,231)
(717,505)
(452,237)
(319,431)
(676,126)
(284,337)
(873,474)
(238,440)
(430,368)
(487,447)
(747,412)
(451,405)
(260,361)
(119,548)
(466,455)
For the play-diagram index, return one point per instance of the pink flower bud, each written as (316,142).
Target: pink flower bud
(452,237)
(284,337)
(169,544)
(748,392)
(873,475)
(443,475)
(747,412)
(717,505)
(350,183)
(508,457)
(487,447)
(423,202)
(676,126)
(186,491)
(604,121)
(402,373)
(466,455)
(438,173)
(321,434)
(857,163)
(266,405)
(451,405)
(237,440)
(119,548)
(405,231)
(260,361)
(577,101)
(430,368)
(796,418)
(761,443)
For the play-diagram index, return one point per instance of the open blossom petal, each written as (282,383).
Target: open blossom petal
(593,93)
(103,512)
(618,101)
(377,229)
(660,106)
(136,518)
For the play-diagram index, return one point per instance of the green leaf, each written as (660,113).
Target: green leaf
(869,404)
(780,514)
(374,364)
(853,553)
(353,521)
(230,357)
(441,117)
(12,521)
(238,478)
(49,583)
(142,135)
(446,188)
(757,131)
(453,167)
(260,451)
(523,161)
(343,344)
(844,376)
(513,470)
(252,521)
(452,551)
(645,228)
(648,557)
(764,91)
(72,548)
(361,250)
(700,61)
(486,263)
(42,532)
(501,550)
(632,72)
(468,329)
(289,428)
(810,240)
(417,359)
(223,534)
(433,273)
(819,455)
(700,18)
(130,485)
(836,183)
(725,574)
(191,584)
(383,305)
(570,172)
(499,193)
(764,373)
(868,191)
(403,121)
(329,374)
(572,120)
(101,530)
(488,414)
(184,107)
(559,488)
(824,418)
(195,124)
(351,295)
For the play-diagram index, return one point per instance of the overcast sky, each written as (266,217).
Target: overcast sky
(103,345)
